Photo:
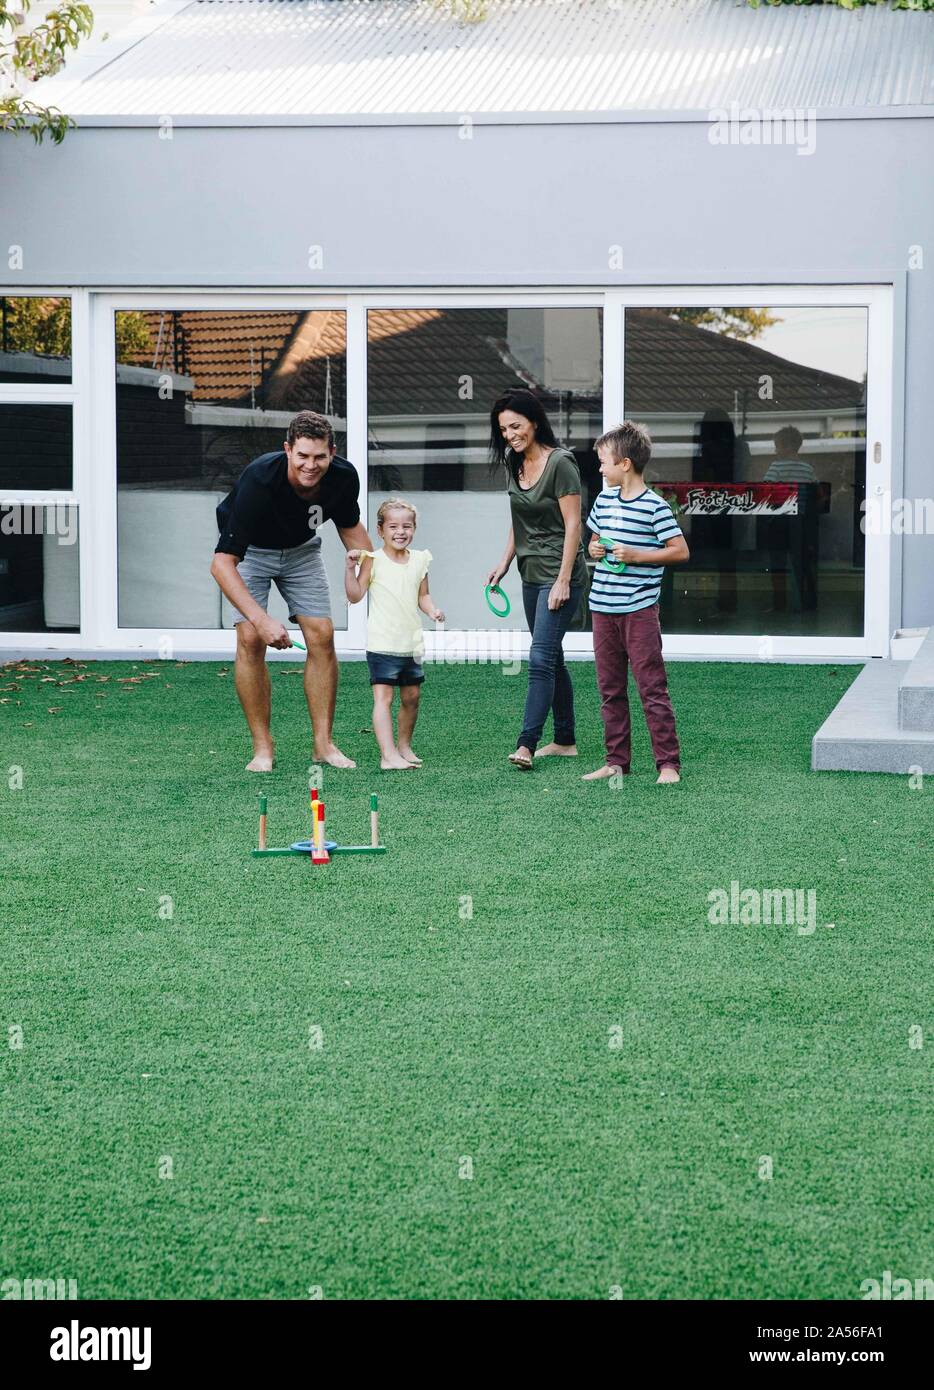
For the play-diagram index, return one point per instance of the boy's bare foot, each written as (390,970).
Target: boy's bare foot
(601,772)
(410,755)
(669,774)
(333,757)
(557,750)
(396,764)
(262,760)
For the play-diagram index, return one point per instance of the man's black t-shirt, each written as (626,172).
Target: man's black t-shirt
(263,509)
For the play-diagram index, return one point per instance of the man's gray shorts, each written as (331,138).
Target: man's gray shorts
(298,574)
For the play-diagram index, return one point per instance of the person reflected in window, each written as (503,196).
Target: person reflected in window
(792,541)
(719,457)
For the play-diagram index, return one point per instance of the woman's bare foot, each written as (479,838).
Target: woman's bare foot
(410,755)
(522,759)
(396,764)
(262,760)
(333,757)
(605,771)
(668,774)
(557,750)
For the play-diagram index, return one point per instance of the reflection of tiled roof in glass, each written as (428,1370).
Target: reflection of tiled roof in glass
(418,358)
(678,367)
(418,367)
(228,353)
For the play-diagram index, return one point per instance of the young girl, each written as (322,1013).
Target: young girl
(397,580)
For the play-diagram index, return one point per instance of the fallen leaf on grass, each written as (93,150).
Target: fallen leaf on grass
(56,709)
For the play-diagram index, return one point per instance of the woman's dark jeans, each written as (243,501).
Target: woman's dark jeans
(549,682)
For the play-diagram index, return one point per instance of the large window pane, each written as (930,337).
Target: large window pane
(200,393)
(758,420)
(35,339)
(433,375)
(35,448)
(39,568)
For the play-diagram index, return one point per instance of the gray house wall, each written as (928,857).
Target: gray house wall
(517,204)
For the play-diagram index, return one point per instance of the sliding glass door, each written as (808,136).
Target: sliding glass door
(432,378)
(758,419)
(770,413)
(40,552)
(770,408)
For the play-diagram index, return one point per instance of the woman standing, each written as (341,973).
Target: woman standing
(544,490)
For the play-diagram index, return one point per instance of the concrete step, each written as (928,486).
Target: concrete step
(863,735)
(916,691)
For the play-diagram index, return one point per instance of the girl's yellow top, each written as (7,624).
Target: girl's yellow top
(394,623)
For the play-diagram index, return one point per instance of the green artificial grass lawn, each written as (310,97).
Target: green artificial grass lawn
(614,1067)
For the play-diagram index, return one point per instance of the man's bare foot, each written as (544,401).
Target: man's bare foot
(410,755)
(668,774)
(396,764)
(601,772)
(261,762)
(333,757)
(557,750)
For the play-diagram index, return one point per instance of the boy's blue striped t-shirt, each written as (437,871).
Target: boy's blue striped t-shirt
(645,521)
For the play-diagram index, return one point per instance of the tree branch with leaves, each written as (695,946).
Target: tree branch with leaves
(29,52)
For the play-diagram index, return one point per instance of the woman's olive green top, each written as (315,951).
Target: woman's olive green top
(537,523)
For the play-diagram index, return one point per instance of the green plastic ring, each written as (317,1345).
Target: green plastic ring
(497,612)
(617,566)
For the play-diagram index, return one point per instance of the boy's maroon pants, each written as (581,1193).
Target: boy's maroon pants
(621,640)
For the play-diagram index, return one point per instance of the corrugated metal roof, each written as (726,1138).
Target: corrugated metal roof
(371,58)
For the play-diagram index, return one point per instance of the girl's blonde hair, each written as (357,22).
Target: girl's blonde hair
(392,504)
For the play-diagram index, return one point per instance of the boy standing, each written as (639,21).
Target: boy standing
(624,604)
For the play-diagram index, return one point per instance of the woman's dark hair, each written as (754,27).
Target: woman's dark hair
(523,403)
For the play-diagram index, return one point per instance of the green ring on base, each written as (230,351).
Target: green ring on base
(497,612)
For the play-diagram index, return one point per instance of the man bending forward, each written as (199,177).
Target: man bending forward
(269,525)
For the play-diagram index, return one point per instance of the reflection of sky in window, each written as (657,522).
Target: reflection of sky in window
(831,339)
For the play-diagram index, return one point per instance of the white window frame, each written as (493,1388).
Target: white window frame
(199,641)
(92,395)
(879,300)
(75,394)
